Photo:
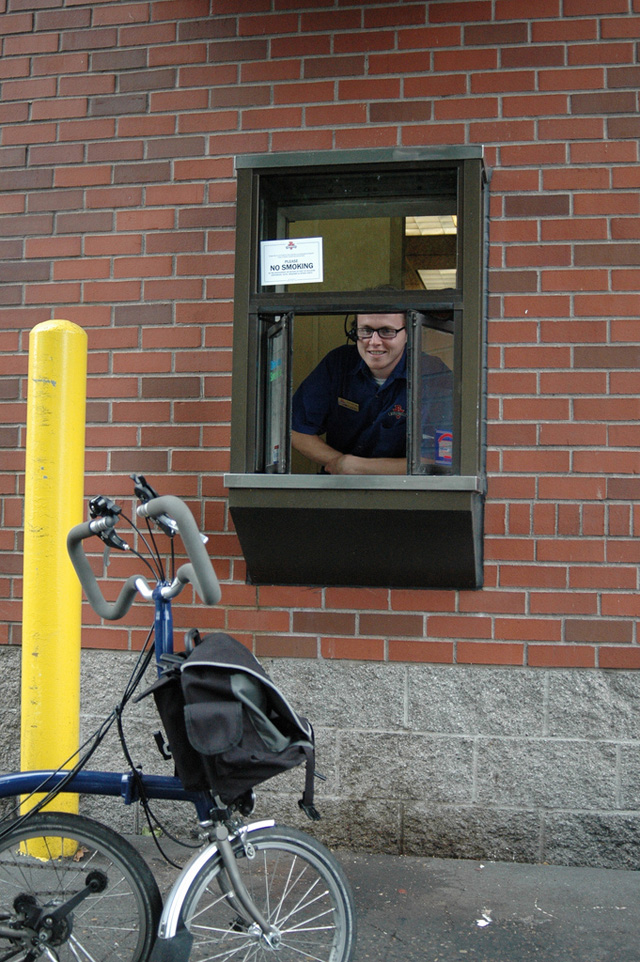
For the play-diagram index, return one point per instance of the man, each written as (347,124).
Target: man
(358,400)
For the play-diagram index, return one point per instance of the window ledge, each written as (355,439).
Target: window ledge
(369,482)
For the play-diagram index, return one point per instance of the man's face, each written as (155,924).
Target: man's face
(381,355)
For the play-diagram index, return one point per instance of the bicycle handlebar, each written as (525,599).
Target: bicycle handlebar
(198,572)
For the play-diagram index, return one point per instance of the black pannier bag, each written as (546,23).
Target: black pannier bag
(229,727)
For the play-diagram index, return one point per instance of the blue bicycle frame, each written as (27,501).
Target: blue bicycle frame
(127,785)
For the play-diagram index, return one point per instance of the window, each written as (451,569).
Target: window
(370,232)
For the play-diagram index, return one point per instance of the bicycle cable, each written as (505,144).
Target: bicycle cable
(93,741)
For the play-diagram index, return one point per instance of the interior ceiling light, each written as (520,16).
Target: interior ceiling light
(437,280)
(435,224)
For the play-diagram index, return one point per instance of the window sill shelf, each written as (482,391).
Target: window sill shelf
(377,531)
(370,482)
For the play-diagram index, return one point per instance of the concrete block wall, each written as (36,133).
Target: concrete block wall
(119,126)
(529,765)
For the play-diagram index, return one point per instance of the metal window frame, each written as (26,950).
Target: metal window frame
(256,500)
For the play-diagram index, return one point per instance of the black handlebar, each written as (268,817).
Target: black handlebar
(198,572)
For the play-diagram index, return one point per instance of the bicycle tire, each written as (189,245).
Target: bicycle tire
(298,886)
(47,858)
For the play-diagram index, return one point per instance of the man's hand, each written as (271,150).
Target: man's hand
(334,462)
(346,464)
(351,464)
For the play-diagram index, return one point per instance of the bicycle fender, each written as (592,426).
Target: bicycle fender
(171,924)
(175,949)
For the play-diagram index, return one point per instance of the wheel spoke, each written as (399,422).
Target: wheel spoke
(295,884)
(46,859)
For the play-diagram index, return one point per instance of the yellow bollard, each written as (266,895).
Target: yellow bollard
(54,490)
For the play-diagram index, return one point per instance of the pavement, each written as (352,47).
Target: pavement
(442,910)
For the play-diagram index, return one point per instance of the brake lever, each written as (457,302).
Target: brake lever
(102,507)
(144,492)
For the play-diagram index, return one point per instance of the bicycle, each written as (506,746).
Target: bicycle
(74,890)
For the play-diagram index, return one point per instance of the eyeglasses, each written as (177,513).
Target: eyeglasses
(386,333)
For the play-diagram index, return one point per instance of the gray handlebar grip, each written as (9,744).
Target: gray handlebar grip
(112,612)
(200,571)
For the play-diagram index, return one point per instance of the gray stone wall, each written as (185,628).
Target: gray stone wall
(520,764)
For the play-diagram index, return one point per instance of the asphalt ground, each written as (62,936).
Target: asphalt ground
(439,910)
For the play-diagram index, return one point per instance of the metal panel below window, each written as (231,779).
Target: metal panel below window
(407,539)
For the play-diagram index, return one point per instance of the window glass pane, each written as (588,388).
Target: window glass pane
(435,367)
(430,252)
(350,392)
(276,399)
(376,228)
(314,336)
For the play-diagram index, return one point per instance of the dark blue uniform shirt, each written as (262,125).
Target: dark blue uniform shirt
(341,399)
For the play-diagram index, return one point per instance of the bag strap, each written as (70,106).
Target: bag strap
(306,802)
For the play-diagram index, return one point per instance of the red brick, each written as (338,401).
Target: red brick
(110,291)
(557,29)
(462,60)
(474,653)
(501,82)
(357,598)
(299,46)
(601,53)
(493,602)
(621,27)
(465,109)
(620,658)
(621,551)
(609,462)
(391,625)
(561,656)
(421,651)
(580,8)
(578,550)
(621,605)
(289,646)
(298,597)
(576,383)
(302,140)
(428,38)
(524,576)
(347,66)
(458,626)
(587,489)
(625,435)
(532,55)
(337,115)
(505,180)
(267,25)
(574,229)
(563,602)
(466,11)
(394,16)
(612,578)
(353,139)
(303,93)
(323,623)
(508,549)
(577,280)
(540,305)
(359,649)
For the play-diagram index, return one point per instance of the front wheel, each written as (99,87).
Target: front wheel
(297,885)
(73,890)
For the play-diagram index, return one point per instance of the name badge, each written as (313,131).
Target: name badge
(352,405)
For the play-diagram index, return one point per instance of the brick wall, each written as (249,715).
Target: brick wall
(119,124)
